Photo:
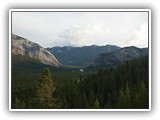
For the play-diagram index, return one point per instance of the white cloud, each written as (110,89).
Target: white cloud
(82,28)
(81,35)
(140,36)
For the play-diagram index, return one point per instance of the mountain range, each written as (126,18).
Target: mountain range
(80,56)
(119,56)
(29,52)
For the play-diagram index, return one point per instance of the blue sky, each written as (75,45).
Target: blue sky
(82,28)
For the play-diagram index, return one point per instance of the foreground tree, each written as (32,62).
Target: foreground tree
(97,104)
(44,90)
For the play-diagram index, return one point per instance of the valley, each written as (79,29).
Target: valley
(88,77)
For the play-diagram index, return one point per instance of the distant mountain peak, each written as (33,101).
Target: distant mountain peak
(24,47)
(119,56)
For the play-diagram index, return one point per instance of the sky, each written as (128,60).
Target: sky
(77,29)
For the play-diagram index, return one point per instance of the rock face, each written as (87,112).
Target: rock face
(24,47)
(119,56)
(80,56)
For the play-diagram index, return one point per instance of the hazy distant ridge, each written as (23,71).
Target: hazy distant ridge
(80,55)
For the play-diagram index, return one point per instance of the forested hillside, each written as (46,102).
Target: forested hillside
(80,56)
(124,86)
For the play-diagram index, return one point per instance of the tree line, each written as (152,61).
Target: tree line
(123,87)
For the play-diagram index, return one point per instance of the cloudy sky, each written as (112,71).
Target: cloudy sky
(82,28)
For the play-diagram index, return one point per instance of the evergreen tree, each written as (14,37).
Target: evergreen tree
(121,100)
(84,101)
(91,98)
(124,100)
(44,91)
(127,97)
(118,87)
(141,99)
(19,104)
(97,104)
(107,105)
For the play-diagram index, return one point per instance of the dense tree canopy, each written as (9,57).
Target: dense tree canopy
(44,90)
(123,87)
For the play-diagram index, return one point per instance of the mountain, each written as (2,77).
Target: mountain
(32,51)
(119,56)
(80,56)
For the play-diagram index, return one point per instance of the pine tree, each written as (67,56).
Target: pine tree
(121,99)
(107,105)
(141,99)
(19,104)
(44,91)
(84,101)
(127,97)
(97,104)
(91,98)
(124,100)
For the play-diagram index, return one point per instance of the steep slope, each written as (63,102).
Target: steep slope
(25,48)
(119,56)
(80,56)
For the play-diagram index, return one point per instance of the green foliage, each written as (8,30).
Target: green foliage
(43,92)
(121,100)
(124,99)
(128,97)
(124,87)
(19,103)
(97,104)
(141,97)
(81,56)
(91,98)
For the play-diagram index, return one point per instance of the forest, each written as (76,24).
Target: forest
(125,86)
